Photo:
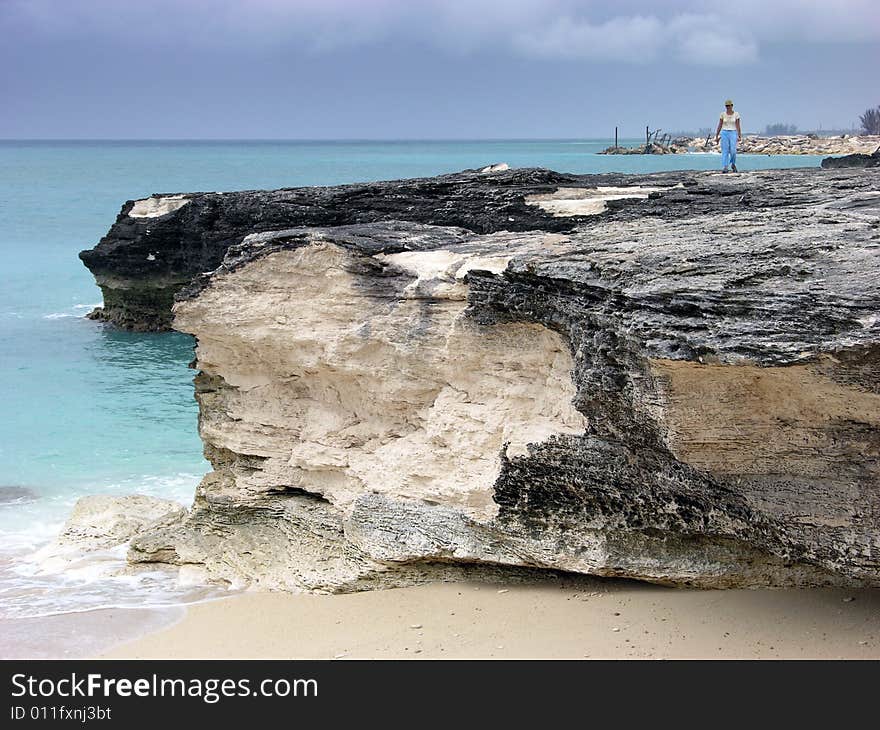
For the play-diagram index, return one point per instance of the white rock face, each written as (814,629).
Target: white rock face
(402,397)
(441,273)
(586,201)
(157,206)
(497,167)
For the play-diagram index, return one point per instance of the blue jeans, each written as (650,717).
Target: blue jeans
(728,147)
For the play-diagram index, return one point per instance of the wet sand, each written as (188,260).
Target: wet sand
(80,635)
(554,618)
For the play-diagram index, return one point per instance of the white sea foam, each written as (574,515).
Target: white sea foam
(39,579)
(80,310)
(93,586)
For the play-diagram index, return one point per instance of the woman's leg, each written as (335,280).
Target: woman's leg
(733,136)
(725,148)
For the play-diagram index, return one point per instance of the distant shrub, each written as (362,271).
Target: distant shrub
(774,130)
(871,121)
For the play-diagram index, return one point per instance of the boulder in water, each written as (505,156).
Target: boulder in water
(17,495)
(104,521)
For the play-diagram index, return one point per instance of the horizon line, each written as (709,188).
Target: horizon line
(381,139)
(302,139)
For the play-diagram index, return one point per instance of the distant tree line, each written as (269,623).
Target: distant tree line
(701,132)
(870,121)
(775,130)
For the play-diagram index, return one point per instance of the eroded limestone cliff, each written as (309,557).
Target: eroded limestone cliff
(671,377)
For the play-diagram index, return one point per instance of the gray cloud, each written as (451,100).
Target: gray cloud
(699,32)
(698,39)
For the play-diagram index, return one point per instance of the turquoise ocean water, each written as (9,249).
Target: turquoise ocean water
(87,409)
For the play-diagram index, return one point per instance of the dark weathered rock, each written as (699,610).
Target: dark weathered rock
(682,386)
(144,260)
(856,160)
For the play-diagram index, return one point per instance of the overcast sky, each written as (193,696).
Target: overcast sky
(429,68)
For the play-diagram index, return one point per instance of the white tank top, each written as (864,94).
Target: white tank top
(728,121)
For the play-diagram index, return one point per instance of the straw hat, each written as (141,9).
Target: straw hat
(729,102)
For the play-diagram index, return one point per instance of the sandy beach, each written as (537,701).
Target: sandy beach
(553,618)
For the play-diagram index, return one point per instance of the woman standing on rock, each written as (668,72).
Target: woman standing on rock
(730,132)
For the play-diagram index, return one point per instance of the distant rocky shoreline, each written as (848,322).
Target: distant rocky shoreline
(796,144)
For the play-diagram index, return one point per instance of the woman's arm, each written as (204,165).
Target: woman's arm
(739,132)
(718,129)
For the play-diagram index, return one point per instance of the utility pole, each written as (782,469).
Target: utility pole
(615,138)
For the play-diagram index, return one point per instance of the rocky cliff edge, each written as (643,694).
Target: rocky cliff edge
(673,377)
